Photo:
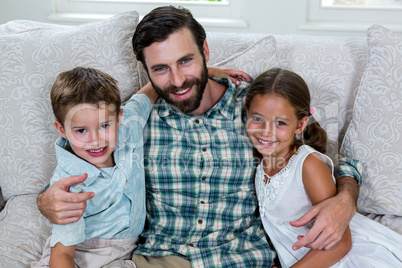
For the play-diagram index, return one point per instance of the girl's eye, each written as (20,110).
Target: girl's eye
(281,123)
(256,118)
(104,126)
(81,131)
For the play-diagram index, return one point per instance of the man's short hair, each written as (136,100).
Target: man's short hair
(160,23)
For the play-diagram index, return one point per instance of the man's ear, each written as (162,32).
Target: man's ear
(206,50)
(144,66)
(301,125)
(60,129)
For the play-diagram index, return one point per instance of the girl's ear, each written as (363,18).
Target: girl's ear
(301,125)
(60,129)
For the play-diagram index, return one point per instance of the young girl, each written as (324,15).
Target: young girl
(293,175)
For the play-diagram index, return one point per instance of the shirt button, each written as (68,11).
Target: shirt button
(203,178)
(200,221)
(202,202)
(204,149)
(191,245)
(197,121)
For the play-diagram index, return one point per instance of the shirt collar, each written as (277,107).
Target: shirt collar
(225,106)
(72,164)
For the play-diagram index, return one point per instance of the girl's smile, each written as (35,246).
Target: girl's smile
(272,125)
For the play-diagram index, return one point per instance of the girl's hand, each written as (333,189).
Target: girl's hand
(234,75)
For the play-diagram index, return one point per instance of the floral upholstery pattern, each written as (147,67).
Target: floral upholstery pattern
(374,134)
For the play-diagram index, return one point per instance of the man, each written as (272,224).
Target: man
(201,204)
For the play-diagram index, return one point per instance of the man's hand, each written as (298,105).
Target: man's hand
(332,217)
(60,206)
(234,75)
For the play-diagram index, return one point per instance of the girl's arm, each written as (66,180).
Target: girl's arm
(62,256)
(318,182)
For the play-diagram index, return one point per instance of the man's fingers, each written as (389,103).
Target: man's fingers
(65,183)
(78,197)
(69,217)
(306,218)
(305,240)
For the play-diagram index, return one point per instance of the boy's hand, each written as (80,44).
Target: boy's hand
(61,206)
(234,75)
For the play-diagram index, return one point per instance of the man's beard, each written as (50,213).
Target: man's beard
(193,102)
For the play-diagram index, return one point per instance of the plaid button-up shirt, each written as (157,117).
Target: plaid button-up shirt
(201,202)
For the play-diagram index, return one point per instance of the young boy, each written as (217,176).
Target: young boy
(105,142)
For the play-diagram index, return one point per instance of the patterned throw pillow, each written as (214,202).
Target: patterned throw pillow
(32,54)
(374,134)
(255,59)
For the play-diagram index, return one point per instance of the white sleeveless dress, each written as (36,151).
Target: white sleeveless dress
(284,199)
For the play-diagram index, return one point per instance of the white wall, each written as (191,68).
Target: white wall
(263,16)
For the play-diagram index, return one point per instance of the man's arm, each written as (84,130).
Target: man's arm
(61,206)
(333,215)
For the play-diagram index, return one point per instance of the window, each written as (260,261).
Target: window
(210,13)
(353,15)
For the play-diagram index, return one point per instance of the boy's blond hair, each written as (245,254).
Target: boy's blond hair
(83,85)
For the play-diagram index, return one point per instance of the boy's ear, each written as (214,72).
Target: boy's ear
(301,125)
(119,117)
(60,129)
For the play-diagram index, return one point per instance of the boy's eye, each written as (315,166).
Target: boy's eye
(81,131)
(104,126)
(281,123)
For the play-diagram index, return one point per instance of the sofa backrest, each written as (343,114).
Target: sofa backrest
(331,66)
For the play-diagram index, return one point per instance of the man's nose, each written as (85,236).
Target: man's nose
(177,77)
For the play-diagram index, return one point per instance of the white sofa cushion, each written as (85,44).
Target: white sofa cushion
(374,134)
(255,59)
(32,54)
(332,67)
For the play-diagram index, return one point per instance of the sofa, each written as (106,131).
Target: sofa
(355,83)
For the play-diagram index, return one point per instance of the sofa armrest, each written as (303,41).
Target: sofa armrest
(23,231)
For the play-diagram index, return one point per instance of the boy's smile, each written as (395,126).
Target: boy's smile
(92,133)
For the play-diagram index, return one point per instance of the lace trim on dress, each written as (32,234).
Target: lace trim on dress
(270,194)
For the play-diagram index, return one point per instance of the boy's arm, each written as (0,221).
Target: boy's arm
(319,185)
(62,256)
(150,92)
(333,215)
(234,75)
